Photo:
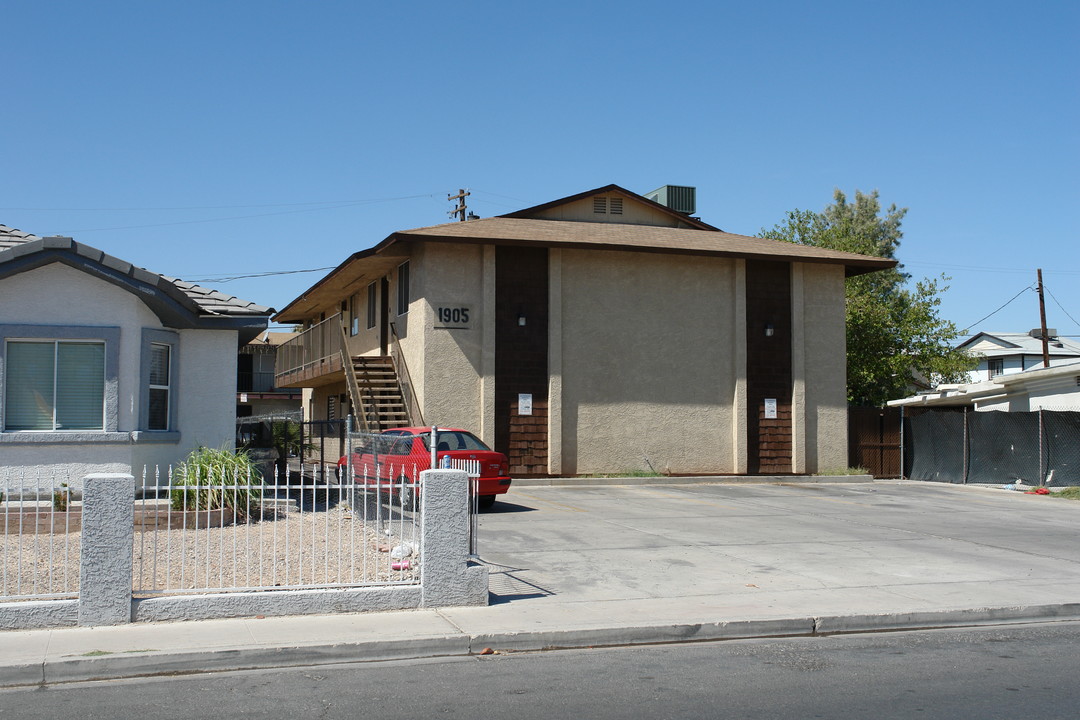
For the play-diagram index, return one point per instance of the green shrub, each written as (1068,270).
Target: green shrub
(212,479)
(1072,493)
(61,498)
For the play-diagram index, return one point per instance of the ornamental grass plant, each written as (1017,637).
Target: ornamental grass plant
(217,479)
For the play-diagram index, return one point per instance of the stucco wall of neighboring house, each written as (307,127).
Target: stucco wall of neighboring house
(449,276)
(205,397)
(824,366)
(59,295)
(206,393)
(1063,395)
(649,351)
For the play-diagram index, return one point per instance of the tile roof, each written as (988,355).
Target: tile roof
(648,238)
(16,244)
(10,237)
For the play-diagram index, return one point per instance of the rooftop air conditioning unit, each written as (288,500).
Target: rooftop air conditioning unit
(679,198)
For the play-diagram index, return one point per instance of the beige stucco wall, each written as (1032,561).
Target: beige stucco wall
(649,357)
(205,395)
(451,388)
(820,302)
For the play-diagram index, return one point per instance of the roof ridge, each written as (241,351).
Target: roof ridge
(15,244)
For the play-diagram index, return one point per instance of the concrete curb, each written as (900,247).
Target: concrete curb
(679,480)
(141,664)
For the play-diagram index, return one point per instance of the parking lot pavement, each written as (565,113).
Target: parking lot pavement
(590,556)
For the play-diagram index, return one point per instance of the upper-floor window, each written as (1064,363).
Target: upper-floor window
(354,314)
(995,366)
(160,387)
(403,288)
(54,385)
(372,298)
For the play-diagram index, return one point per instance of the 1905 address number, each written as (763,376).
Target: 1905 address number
(452,315)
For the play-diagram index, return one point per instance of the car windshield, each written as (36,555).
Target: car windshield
(454,440)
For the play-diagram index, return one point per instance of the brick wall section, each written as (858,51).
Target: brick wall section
(529,441)
(768,366)
(521,356)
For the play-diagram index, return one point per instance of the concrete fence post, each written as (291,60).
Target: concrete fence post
(108,529)
(447,577)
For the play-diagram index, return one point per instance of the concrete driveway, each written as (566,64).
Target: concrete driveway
(590,556)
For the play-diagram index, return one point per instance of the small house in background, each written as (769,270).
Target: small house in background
(1008,353)
(602,332)
(256,393)
(1055,388)
(107,367)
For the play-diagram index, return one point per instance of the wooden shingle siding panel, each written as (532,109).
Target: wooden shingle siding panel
(521,357)
(768,366)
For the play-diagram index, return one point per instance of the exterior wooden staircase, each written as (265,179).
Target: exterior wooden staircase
(382,397)
(378,399)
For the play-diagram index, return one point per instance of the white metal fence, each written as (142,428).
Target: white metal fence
(39,539)
(295,528)
(207,532)
(282,527)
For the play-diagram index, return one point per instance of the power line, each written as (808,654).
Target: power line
(269,273)
(347,204)
(1060,305)
(224,207)
(1026,289)
(976,268)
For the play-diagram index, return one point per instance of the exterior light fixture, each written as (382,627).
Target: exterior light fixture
(769,330)
(521,319)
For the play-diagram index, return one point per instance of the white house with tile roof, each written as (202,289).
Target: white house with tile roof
(108,367)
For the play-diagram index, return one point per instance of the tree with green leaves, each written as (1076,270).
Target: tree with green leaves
(896,341)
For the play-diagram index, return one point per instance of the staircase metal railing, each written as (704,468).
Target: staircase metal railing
(359,410)
(401,369)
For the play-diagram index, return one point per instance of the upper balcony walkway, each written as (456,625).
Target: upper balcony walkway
(312,358)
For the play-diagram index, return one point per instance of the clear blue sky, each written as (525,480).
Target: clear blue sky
(203,139)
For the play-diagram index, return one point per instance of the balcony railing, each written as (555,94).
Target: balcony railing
(313,353)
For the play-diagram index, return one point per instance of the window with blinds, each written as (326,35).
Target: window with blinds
(159,386)
(54,385)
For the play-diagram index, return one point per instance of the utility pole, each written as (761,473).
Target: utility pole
(1042,321)
(461,207)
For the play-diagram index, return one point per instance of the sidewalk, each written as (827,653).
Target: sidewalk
(623,564)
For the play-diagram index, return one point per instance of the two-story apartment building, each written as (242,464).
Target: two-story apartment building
(602,332)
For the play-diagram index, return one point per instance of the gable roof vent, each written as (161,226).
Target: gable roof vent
(680,198)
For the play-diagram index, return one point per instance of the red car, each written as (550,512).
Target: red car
(393,460)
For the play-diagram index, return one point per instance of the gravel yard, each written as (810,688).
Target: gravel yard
(325,544)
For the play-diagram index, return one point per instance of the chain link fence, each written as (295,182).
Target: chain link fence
(957,445)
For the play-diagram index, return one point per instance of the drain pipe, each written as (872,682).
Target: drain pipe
(434,446)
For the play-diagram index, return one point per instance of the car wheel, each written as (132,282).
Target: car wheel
(485,502)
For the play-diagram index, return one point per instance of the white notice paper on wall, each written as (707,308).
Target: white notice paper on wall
(770,408)
(525,404)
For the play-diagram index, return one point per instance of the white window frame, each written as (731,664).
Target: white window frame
(167,387)
(403,293)
(372,308)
